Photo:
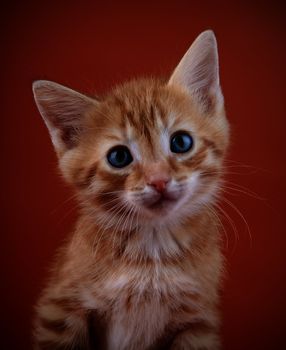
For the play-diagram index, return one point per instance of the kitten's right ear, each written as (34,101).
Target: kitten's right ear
(64,112)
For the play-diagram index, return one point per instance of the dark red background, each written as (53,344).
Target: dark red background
(91,46)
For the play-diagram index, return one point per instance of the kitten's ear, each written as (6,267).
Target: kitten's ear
(64,112)
(198,72)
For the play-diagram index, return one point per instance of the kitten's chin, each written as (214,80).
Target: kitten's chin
(159,206)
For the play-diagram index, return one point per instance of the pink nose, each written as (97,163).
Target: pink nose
(159,184)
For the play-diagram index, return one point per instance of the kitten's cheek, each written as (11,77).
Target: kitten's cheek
(192,187)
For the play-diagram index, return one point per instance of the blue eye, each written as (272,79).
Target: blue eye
(119,156)
(181,142)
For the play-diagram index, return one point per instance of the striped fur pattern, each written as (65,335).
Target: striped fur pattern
(135,275)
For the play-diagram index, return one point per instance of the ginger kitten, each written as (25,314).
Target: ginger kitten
(143,267)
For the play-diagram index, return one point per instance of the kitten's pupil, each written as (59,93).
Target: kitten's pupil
(181,142)
(119,156)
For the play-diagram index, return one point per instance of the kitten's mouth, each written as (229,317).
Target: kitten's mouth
(160,202)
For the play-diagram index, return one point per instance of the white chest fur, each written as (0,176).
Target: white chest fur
(141,303)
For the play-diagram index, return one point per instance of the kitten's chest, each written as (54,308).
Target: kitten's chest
(141,302)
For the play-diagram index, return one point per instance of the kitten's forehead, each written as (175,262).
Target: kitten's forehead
(145,110)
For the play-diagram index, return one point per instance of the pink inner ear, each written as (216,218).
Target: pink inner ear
(198,72)
(63,111)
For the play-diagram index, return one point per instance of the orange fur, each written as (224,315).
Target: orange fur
(134,275)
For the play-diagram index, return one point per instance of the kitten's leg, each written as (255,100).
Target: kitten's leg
(60,325)
(199,337)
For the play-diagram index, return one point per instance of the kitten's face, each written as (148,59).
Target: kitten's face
(148,150)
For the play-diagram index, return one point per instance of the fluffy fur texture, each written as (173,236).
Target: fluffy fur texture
(143,267)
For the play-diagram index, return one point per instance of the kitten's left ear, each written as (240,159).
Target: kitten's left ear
(64,112)
(198,72)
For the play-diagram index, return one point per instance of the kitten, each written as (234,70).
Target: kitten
(143,267)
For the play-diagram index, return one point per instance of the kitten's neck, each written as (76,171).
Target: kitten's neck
(147,242)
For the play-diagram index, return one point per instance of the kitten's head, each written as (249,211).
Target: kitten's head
(149,150)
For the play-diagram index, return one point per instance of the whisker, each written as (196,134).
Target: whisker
(213,212)
(115,211)
(241,216)
(231,222)
(70,198)
(250,194)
